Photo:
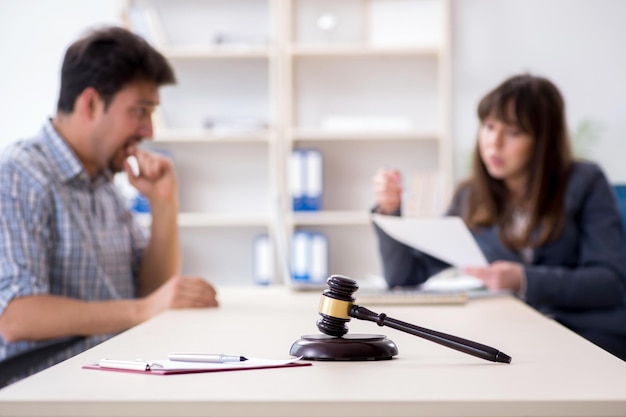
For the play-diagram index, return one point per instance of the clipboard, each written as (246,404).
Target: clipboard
(168,367)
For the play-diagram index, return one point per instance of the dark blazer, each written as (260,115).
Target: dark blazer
(579,279)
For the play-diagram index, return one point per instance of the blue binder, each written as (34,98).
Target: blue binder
(300,256)
(306,169)
(314,180)
(309,257)
(297,171)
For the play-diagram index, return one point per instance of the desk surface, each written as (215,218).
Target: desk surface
(554,371)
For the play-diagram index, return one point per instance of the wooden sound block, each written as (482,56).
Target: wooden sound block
(350,347)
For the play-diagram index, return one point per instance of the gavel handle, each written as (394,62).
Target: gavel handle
(462,345)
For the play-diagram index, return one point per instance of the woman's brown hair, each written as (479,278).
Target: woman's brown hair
(535,106)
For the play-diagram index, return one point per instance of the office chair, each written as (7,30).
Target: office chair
(620,192)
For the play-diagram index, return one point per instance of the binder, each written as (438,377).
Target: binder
(309,257)
(263,260)
(318,259)
(300,256)
(296,168)
(313,180)
(306,174)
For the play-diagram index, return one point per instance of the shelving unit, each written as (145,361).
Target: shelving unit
(324,74)
(338,66)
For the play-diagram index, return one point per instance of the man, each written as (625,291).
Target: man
(75,268)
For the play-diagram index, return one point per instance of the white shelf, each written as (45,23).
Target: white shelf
(212,220)
(205,135)
(373,91)
(336,218)
(216,52)
(329,135)
(356,50)
(221,220)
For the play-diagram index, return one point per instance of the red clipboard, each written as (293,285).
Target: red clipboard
(180,371)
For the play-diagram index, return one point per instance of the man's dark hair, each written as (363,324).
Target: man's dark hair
(108,59)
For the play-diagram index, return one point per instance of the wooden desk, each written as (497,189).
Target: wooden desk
(554,371)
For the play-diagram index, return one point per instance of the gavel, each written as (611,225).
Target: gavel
(337,307)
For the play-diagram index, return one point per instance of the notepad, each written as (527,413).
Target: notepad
(168,367)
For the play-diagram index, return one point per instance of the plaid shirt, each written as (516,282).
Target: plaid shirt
(62,233)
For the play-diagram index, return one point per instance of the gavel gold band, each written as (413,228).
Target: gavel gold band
(335,308)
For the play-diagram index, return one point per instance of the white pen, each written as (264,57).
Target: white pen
(205,357)
(137,365)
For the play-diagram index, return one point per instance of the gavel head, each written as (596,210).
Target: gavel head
(335,305)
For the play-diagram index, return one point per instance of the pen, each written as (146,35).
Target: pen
(137,365)
(205,357)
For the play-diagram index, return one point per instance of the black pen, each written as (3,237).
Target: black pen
(205,357)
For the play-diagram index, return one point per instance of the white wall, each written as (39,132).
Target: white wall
(579,44)
(33,37)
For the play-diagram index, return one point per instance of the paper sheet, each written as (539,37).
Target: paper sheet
(168,367)
(445,238)
(250,363)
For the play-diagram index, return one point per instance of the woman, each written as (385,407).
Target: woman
(548,225)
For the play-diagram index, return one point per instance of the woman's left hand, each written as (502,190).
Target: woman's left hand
(500,275)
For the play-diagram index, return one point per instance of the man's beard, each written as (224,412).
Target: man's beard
(116,167)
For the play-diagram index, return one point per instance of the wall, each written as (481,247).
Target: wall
(33,37)
(579,44)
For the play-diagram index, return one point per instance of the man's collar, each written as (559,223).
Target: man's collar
(65,161)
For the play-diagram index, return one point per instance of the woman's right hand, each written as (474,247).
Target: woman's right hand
(387,187)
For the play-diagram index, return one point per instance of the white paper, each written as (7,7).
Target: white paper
(453,283)
(445,238)
(169,365)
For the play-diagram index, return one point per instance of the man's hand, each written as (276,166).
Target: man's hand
(157,178)
(180,292)
(387,190)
